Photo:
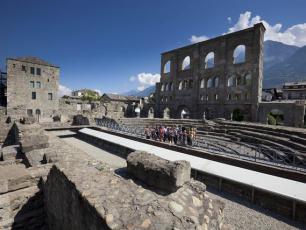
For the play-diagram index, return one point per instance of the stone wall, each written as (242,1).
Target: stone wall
(293,112)
(19,89)
(218,101)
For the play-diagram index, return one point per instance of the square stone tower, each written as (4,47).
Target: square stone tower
(32,88)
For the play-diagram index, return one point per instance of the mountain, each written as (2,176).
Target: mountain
(144,93)
(291,68)
(275,52)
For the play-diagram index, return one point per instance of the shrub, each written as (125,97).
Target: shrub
(271,119)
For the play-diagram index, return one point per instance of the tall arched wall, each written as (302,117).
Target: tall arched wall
(223,48)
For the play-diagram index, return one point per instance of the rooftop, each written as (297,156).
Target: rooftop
(33,60)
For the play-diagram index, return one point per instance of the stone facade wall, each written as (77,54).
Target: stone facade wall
(213,100)
(19,89)
(293,112)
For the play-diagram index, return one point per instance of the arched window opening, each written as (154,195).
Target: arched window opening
(210,60)
(185,84)
(210,83)
(231,81)
(184,113)
(202,83)
(37,112)
(186,63)
(171,86)
(248,79)
(275,117)
(162,87)
(240,80)
(239,54)
(229,97)
(180,85)
(190,84)
(167,67)
(167,87)
(151,113)
(166,113)
(216,97)
(216,82)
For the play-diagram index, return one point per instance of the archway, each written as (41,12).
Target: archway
(275,117)
(184,112)
(237,115)
(166,113)
(151,112)
(38,113)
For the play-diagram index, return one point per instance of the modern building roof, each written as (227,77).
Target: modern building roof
(33,60)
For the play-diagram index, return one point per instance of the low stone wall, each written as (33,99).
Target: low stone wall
(115,148)
(78,196)
(158,172)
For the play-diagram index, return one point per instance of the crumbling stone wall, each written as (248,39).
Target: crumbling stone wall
(214,101)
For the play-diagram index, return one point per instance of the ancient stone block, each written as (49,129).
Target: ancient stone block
(27,120)
(157,172)
(9,152)
(34,142)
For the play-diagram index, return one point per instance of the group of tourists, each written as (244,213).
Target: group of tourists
(179,135)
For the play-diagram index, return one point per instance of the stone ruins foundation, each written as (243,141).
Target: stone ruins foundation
(46,184)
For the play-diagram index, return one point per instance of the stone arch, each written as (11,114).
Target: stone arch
(216,82)
(166,114)
(167,67)
(210,83)
(240,80)
(248,79)
(186,63)
(210,60)
(239,54)
(237,115)
(151,112)
(180,85)
(202,83)
(275,117)
(231,81)
(183,112)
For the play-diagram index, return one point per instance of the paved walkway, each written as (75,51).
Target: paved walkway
(274,184)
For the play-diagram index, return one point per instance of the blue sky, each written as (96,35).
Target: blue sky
(115,46)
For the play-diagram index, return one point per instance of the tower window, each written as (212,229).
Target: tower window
(33,95)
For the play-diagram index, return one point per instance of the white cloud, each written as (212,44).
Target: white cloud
(145,80)
(132,78)
(196,39)
(63,90)
(294,35)
(98,91)
(229,19)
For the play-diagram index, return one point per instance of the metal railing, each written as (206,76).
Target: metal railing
(269,155)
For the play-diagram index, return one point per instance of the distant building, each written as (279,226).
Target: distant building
(84,92)
(117,106)
(294,90)
(32,88)
(3,89)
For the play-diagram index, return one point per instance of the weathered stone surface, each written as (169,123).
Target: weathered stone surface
(9,152)
(158,172)
(27,120)
(80,120)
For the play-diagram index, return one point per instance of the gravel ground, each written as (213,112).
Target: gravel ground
(243,215)
(111,159)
